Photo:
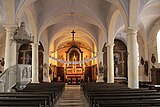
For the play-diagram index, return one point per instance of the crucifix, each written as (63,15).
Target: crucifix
(73,32)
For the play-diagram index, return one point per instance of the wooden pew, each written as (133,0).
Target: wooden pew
(129,99)
(13,102)
(104,91)
(56,88)
(92,96)
(34,95)
(106,95)
(49,96)
(132,103)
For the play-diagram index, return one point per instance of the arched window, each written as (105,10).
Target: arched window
(158,45)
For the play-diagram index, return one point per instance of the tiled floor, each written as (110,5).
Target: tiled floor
(72,96)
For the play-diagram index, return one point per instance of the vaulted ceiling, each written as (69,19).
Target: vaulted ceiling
(89,18)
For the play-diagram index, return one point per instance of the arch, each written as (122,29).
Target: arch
(22,7)
(40,47)
(120,59)
(120,34)
(77,52)
(25,3)
(112,24)
(94,21)
(71,48)
(56,19)
(150,3)
(32,24)
(25,53)
(122,11)
(77,40)
(63,30)
(65,39)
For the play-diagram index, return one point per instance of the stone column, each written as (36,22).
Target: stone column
(110,63)
(100,75)
(132,47)
(35,69)
(10,47)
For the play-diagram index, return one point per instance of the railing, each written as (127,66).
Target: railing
(18,75)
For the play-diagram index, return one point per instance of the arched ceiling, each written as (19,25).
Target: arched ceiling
(65,36)
(149,14)
(72,14)
(59,17)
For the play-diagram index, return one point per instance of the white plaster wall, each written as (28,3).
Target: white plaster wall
(152,43)
(141,43)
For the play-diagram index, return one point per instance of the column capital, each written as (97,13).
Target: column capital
(132,30)
(10,27)
(35,44)
(110,45)
(100,52)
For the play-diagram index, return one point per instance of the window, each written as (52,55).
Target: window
(158,45)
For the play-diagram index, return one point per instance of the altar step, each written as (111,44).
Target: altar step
(72,96)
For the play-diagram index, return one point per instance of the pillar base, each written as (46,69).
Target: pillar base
(100,79)
(34,81)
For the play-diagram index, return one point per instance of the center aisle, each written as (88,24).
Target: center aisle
(72,96)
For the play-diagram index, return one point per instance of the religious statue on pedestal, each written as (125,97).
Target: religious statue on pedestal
(46,77)
(101,69)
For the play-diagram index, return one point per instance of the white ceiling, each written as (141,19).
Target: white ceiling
(60,17)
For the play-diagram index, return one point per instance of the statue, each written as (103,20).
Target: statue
(86,64)
(74,65)
(142,61)
(145,64)
(105,73)
(116,72)
(146,68)
(46,77)
(153,59)
(50,69)
(25,73)
(101,69)
(2,62)
(116,60)
(28,59)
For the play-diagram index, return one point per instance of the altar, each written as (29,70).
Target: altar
(74,75)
